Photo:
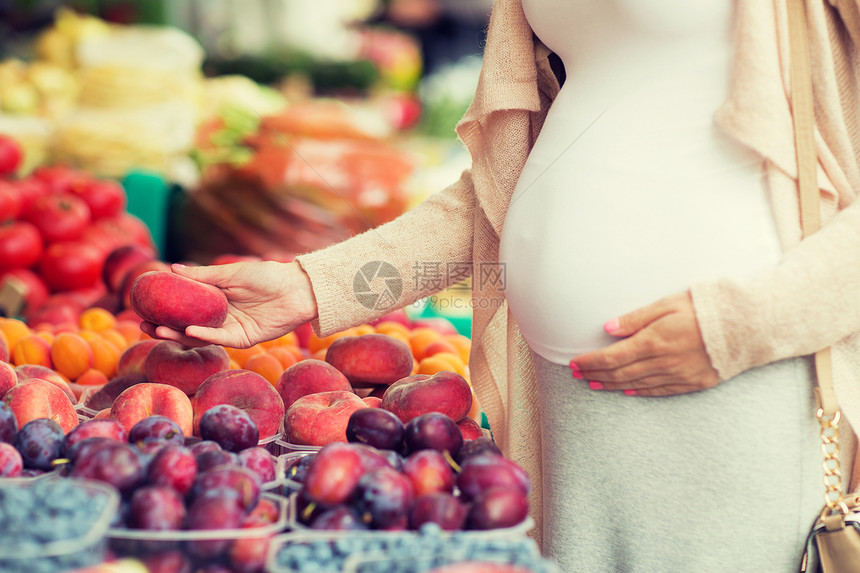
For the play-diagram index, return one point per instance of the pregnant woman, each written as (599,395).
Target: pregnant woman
(644,306)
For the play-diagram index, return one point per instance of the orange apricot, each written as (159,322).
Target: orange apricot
(420,338)
(440,346)
(241,355)
(320,354)
(441,361)
(14,330)
(71,355)
(115,337)
(462,343)
(288,339)
(32,349)
(266,365)
(97,318)
(284,355)
(364,329)
(316,343)
(234,365)
(105,356)
(92,377)
(389,326)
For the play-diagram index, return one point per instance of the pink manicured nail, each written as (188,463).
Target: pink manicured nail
(178,266)
(575,371)
(595,385)
(630,392)
(611,325)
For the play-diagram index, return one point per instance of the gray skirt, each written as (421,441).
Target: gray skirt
(724,480)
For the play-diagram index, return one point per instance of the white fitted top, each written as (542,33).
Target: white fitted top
(631,193)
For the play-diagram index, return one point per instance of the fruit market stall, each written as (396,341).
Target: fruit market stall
(366,450)
(340,453)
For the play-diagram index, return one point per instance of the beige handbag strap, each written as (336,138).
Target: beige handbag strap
(803,114)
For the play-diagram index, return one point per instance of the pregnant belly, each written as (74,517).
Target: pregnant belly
(595,234)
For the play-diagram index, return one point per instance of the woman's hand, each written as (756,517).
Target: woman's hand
(661,353)
(266,300)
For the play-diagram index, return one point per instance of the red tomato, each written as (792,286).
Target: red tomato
(104,198)
(20,245)
(36,291)
(30,189)
(59,178)
(10,155)
(10,201)
(71,265)
(130,228)
(61,217)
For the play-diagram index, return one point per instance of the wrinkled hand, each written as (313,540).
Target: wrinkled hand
(266,300)
(661,353)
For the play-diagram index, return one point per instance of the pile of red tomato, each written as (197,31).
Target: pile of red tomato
(57,226)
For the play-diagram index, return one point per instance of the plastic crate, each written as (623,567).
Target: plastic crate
(87,549)
(135,542)
(352,549)
(282,446)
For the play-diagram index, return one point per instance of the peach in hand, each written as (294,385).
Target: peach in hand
(370,359)
(172,300)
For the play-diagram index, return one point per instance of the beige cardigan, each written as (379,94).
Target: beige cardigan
(810,300)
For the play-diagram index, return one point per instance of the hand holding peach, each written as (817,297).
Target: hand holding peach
(265,300)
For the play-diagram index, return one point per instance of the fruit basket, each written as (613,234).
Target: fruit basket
(282,446)
(60,525)
(135,543)
(395,551)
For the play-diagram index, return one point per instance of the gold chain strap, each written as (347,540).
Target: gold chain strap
(833,494)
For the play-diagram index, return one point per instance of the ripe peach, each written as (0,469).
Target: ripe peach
(147,399)
(470,429)
(321,418)
(372,401)
(246,390)
(120,261)
(104,396)
(445,392)
(370,359)
(132,359)
(169,362)
(8,377)
(176,301)
(308,377)
(35,398)
(29,371)
(4,348)
(133,273)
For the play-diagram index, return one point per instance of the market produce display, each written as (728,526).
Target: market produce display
(366,450)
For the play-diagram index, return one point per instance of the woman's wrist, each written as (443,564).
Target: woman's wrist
(300,284)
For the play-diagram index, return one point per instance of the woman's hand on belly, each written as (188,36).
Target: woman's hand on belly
(661,353)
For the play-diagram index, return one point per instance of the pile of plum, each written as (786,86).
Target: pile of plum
(395,476)
(168,482)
